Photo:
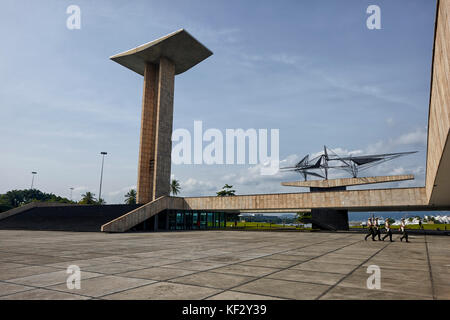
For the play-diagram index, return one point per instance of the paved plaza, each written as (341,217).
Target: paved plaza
(221,265)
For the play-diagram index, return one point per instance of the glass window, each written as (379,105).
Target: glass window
(188,220)
(172,221)
(210,220)
(222,220)
(203,221)
(180,221)
(217,219)
(195,221)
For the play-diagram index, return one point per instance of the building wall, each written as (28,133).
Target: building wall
(439,113)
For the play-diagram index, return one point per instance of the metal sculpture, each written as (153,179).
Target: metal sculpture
(319,166)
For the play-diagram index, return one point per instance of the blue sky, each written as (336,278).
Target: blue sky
(311,69)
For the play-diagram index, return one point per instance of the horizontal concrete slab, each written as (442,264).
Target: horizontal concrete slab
(346,182)
(179,47)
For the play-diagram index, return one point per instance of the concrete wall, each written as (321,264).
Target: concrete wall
(57,217)
(387,199)
(438,157)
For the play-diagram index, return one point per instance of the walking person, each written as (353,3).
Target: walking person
(377,230)
(387,226)
(403,229)
(370,229)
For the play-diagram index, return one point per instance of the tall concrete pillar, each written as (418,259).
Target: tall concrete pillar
(159,61)
(156,131)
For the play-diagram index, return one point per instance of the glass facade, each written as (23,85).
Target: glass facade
(186,220)
(193,220)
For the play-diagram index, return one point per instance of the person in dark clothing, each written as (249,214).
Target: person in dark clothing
(377,230)
(403,229)
(387,226)
(370,229)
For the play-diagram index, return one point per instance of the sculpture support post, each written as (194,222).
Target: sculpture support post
(156,131)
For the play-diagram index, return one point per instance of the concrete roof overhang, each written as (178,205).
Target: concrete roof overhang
(180,47)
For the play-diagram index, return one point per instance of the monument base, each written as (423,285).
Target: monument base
(328,219)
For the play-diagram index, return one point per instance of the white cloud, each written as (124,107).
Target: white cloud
(417,137)
(195,187)
(121,191)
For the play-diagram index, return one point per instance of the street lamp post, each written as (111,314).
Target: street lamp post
(33,173)
(101,175)
(71,189)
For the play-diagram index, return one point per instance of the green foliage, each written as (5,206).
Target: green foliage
(391,221)
(303,216)
(16,198)
(226,191)
(130,197)
(88,198)
(175,187)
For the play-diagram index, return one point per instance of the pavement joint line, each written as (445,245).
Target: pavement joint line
(351,272)
(433,292)
(282,269)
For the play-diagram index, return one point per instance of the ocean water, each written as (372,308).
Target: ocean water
(397,215)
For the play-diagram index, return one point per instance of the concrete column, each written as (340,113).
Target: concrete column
(156,131)
(164,122)
(146,163)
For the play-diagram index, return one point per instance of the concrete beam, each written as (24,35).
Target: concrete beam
(354,200)
(346,182)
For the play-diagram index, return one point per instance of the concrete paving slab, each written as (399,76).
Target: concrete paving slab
(213,280)
(10,265)
(24,272)
(104,285)
(10,288)
(245,270)
(283,289)
(43,294)
(233,295)
(157,273)
(307,276)
(345,293)
(164,291)
(112,268)
(325,267)
(195,265)
(50,278)
(270,263)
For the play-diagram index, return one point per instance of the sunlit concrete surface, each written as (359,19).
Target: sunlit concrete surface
(221,265)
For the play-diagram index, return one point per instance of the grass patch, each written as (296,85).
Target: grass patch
(263,226)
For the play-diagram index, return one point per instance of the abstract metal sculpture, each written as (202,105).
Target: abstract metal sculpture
(319,166)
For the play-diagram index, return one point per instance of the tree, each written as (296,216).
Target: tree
(88,198)
(304,217)
(175,187)
(390,220)
(226,191)
(130,197)
(16,198)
